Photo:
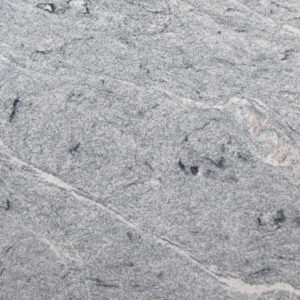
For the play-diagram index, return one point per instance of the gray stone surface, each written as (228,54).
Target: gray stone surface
(149,149)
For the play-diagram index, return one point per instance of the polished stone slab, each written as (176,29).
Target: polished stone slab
(149,149)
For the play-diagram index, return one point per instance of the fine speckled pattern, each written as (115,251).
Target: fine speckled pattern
(149,149)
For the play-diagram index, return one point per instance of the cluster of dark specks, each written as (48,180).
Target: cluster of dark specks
(274,219)
(193,169)
(52,8)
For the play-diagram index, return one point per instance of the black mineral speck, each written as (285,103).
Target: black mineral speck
(6,206)
(74,149)
(14,108)
(259,221)
(181,165)
(49,7)
(194,170)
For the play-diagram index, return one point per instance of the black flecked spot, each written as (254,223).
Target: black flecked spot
(181,165)
(8,206)
(14,109)
(74,149)
(220,162)
(259,222)
(87,10)
(130,236)
(194,170)
(242,156)
(104,284)
(49,7)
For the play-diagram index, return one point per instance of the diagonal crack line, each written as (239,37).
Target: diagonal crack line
(230,283)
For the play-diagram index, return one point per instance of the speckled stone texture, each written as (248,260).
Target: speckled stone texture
(149,149)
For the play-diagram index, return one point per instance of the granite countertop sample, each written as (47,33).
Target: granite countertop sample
(149,149)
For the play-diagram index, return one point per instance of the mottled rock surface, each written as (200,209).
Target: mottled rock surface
(149,149)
